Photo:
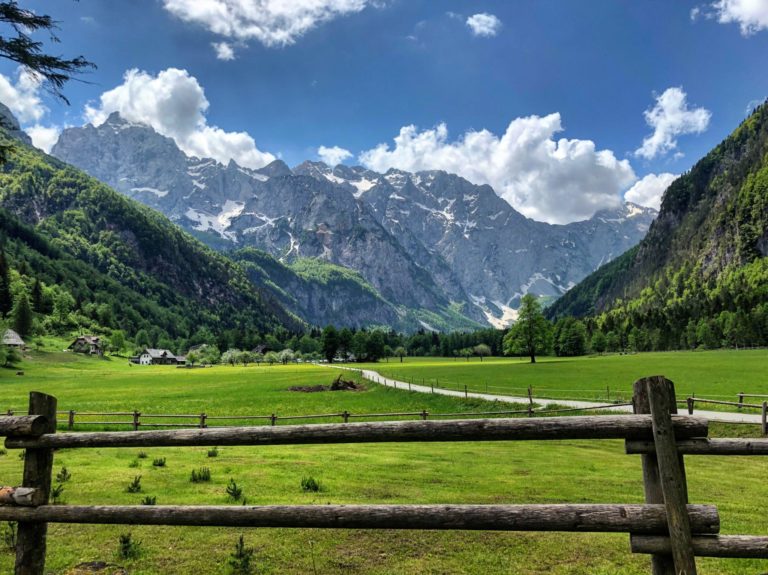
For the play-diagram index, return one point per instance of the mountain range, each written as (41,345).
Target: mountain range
(351,246)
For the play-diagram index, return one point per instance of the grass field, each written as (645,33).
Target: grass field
(495,472)
(711,374)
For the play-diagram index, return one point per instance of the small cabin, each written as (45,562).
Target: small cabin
(13,339)
(151,356)
(87,344)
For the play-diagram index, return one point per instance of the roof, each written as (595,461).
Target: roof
(91,339)
(158,353)
(10,337)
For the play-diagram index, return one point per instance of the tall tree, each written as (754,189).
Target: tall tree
(22,315)
(6,297)
(532,333)
(330,343)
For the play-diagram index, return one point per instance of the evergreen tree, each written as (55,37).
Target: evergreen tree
(330,343)
(37,297)
(6,297)
(22,316)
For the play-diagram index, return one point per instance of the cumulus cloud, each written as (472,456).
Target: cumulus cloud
(224,51)
(671,117)
(649,190)
(174,104)
(274,23)
(750,15)
(557,181)
(23,96)
(43,137)
(333,156)
(484,25)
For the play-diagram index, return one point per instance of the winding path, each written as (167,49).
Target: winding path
(376,377)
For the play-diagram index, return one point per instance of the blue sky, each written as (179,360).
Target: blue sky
(354,73)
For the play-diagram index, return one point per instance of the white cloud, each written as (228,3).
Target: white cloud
(271,22)
(174,104)
(750,15)
(671,117)
(555,181)
(333,156)
(23,96)
(484,25)
(43,137)
(224,51)
(649,190)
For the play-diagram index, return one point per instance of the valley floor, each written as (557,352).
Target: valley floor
(494,472)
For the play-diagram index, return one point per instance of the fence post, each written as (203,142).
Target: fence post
(530,394)
(345,415)
(203,417)
(71,420)
(741,400)
(424,415)
(660,564)
(661,396)
(136,422)
(690,401)
(273,419)
(764,418)
(38,467)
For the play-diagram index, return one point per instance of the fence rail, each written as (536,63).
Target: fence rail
(666,526)
(763,407)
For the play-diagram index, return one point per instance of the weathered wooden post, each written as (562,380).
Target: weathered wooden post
(741,400)
(424,414)
(690,401)
(38,468)
(71,420)
(661,396)
(203,418)
(660,564)
(136,422)
(345,416)
(273,419)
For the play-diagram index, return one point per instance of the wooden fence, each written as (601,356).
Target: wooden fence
(763,407)
(667,527)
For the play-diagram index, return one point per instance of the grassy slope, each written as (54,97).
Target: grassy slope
(532,472)
(712,374)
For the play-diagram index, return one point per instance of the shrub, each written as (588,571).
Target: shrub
(241,558)
(9,535)
(201,475)
(63,476)
(149,500)
(134,463)
(234,491)
(142,455)
(56,493)
(213,452)
(159,462)
(310,484)
(128,548)
(135,485)
(3,452)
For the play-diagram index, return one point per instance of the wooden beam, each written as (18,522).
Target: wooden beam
(704,446)
(647,519)
(23,425)
(737,546)
(38,468)
(660,564)
(661,397)
(24,496)
(544,428)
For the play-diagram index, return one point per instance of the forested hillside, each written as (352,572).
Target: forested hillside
(75,255)
(700,277)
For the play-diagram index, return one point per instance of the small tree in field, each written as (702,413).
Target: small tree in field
(532,333)
(482,350)
(401,353)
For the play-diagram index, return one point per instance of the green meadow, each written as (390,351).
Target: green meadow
(493,472)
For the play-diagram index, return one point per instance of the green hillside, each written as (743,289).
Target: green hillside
(700,277)
(88,259)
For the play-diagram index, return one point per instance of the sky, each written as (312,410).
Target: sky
(563,107)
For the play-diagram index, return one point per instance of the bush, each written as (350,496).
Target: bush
(135,485)
(310,484)
(56,494)
(127,547)
(149,500)
(241,558)
(159,462)
(3,452)
(234,491)
(134,463)
(201,475)
(213,452)
(63,476)
(142,455)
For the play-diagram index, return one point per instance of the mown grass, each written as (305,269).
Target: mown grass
(713,374)
(493,472)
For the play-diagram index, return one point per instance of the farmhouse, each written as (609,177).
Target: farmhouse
(87,344)
(151,356)
(12,339)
